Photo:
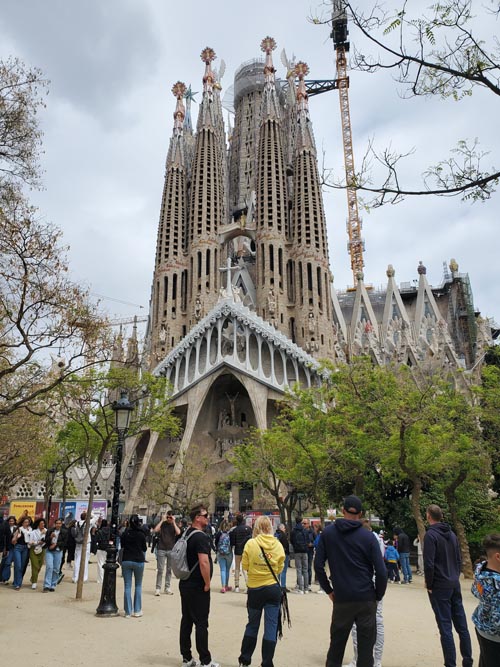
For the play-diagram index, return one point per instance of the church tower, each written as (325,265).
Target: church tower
(168,318)
(271,202)
(308,273)
(208,197)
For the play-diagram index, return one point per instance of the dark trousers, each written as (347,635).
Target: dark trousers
(392,571)
(489,652)
(449,612)
(364,614)
(195,604)
(265,599)
(310,558)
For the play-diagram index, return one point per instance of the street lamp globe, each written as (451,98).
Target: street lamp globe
(122,409)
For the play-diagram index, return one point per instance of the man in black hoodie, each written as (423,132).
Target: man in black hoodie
(358,581)
(442,565)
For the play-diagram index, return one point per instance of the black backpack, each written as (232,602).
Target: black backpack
(300,539)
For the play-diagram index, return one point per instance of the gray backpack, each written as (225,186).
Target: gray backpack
(180,565)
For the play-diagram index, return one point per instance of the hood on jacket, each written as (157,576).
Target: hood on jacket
(265,541)
(347,525)
(444,529)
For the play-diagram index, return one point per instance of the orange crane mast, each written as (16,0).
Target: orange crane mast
(339,36)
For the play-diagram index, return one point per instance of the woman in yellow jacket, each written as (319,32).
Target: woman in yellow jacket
(264,593)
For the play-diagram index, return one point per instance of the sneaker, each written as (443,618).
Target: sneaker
(127,616)
(212,664)
(168,591)
(60,578)
(237,589)
(298,592)
(223,590)
(33,587)
(137,614)
(377,663)
(321,592)
(157,591)
(229,588)
(190,663)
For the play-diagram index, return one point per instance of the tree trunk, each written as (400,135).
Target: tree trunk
(64,493)
(86,537)
(463,543)
(416,495)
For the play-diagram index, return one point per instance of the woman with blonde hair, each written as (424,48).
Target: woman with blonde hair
(263,560)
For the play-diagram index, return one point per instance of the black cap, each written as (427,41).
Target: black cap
(352,504)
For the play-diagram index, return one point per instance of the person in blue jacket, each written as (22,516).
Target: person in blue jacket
(486,616)
(358,580)
(392,560)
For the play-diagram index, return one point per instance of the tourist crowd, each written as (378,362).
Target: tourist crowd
(350,564)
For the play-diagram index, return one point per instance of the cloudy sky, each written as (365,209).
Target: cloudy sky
(111,65)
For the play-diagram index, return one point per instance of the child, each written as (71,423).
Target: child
(486,616)
(392,559)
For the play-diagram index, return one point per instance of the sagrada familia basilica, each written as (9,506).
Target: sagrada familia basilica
(242,301)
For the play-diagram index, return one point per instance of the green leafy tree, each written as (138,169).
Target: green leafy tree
(22,92)
(85,402)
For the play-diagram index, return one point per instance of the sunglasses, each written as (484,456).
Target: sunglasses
(203,514)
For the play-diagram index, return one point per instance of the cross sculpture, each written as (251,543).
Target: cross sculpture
(227,269)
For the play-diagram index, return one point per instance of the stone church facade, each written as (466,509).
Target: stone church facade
(242,301)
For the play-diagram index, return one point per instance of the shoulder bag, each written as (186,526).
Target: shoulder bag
(284,615)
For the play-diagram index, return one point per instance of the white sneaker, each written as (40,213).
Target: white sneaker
(298,592)
(190,663)
(212,664)
(157,591)
(377,663)
(168,591)
(137,614)
(33,586)
(237,589)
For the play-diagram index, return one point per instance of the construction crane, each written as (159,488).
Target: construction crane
(126,320)
(339,36)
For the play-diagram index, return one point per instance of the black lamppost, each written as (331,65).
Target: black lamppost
(52,475)
(107,606)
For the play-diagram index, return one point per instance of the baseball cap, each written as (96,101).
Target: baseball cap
(352,504)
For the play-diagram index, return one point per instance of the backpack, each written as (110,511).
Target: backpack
(224,547)
(180,565)
(300,541)
(78,533)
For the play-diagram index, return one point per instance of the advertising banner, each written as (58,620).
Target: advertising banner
(69,511)
(54,511)
(23,507)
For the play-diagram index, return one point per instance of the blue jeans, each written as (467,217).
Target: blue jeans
(404,559)
(52,566)
(449,611)
(6,566)
(283,573)
(130,568)
(225,568)
(267,599)
(21,553)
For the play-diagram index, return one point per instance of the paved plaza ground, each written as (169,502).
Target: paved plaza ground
(54,630)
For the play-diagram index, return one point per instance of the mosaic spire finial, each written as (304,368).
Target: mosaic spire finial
(268,45)
(179,90)
(208,56)
(301,71)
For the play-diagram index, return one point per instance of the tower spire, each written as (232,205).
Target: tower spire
(305,137)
